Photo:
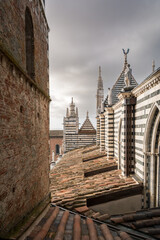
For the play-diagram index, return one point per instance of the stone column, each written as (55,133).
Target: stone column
(98,131)
(152,181)
(102,132)
(129,102)
(109,131)
(145,180)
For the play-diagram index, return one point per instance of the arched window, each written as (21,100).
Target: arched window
(57,149)
(29,43)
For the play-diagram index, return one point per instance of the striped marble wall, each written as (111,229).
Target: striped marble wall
(145,101)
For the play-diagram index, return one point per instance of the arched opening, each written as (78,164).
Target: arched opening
(151,156)
(57,149)
(155,170)
(119,143)
(29,35)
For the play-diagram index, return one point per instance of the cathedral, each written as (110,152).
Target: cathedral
(73,137)
(128,128)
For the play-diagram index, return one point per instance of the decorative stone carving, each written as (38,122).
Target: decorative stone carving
(128,75)
(109,96)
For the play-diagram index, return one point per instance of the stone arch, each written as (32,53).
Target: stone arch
(29,40)
(151,162)
(154,169)
(149,123)
(119,142)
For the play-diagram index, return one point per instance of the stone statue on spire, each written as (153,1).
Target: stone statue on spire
(127,69)
(128,75)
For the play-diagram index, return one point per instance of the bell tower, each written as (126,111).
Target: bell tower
(71,126)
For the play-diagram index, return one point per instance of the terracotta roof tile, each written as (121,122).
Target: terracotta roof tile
(59,223)
(147,221)
(106,232)
(71,189)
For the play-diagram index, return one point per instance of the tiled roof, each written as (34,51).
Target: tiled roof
(59,223)
(99,165)
(147,221)
(69,187)
(56,133)
(92,155)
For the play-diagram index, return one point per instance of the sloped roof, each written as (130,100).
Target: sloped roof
(73,190)
(146,221)
(118,86)
(87,126)
(59,223)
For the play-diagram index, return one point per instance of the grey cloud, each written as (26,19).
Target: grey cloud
(86,34)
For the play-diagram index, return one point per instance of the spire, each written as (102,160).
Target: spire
(100,92)
(72,108)
(67,113)
(99,71)
(153,66)
(100,81)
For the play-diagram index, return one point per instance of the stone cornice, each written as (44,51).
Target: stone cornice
(150,82)
(123,95)
(108,110)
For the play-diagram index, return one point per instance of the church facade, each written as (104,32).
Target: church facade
(128,129)
(73,137)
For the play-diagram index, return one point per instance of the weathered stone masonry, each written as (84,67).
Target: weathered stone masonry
(24,114)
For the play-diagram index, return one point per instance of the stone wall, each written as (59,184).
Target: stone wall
(24,115)
(132,133)
(86,139)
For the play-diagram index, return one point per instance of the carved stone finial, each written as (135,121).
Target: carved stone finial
(109,96)
(125,56)
(87,115)
(67,113)
(153,66)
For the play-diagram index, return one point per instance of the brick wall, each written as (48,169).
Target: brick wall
(12,29)
(53,142)
(24,118)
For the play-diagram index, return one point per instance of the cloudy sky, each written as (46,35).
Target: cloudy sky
(87,33)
